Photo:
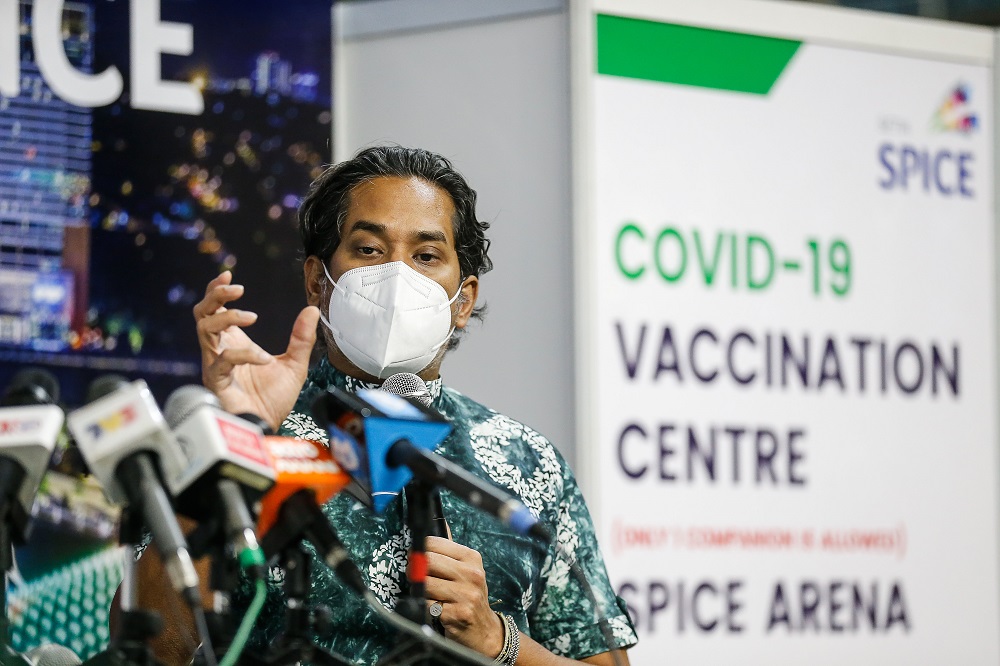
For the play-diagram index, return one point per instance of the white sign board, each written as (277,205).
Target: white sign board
(787,316)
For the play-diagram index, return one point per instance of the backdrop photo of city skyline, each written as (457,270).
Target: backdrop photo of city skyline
(112,219)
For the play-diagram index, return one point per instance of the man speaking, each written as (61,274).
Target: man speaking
(393,256)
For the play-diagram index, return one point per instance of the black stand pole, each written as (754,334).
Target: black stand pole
(296,644)
(293,526)
(418,518)
(422,514)
(224,577)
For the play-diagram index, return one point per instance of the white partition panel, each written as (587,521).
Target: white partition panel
(786,299)
(487,85)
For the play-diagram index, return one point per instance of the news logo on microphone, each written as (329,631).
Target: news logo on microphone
(363,427)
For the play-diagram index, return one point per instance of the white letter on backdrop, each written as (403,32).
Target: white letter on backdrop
(65,80)
(150,38)
(10,49)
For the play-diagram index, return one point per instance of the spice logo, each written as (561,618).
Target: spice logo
(947,171)
(955,113)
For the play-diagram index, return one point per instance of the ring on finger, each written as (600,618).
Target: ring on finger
(436,609)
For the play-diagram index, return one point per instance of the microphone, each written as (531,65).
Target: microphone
(361,434)
(306,477)
(128,447)
(408,385)
(31,386)
(389,433)
(52,654)
(227,468)
(30,425)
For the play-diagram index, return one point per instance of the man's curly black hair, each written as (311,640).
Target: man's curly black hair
(324,209)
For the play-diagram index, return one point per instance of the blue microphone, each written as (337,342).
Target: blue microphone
(364,426)
(384,440)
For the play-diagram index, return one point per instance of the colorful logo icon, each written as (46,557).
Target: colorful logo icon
(955,113)
(112,422)
(15,427)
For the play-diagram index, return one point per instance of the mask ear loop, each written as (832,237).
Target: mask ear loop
(336,286)
(438,346)
(328,276)
(451,300)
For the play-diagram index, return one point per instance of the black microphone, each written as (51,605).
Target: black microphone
(129,448)
(410,386)
(377,435)
(31,386)
(299,518)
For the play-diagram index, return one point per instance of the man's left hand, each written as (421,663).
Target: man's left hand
(456,580)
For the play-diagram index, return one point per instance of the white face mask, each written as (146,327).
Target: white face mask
(389,318)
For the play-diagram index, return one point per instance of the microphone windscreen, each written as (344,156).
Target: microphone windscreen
(51,654)
(104,385)
(257,421)
(31,386)
(185,401)
(408,385)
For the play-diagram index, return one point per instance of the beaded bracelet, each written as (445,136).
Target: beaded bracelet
(511,641)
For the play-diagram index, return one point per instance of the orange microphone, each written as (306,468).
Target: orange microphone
(306,477)
(299,464)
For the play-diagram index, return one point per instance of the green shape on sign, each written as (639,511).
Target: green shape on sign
(690,56)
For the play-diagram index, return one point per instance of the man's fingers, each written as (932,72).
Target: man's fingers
(223,364)
(443,567)
(451,549)
(448,568)
(441,590)
(303,337)
(220,321)
(216,297)
(246,356)
(459,600)
(225,277)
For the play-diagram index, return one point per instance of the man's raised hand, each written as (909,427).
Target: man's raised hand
(245,377)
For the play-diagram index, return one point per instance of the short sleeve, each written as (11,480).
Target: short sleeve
(564,621)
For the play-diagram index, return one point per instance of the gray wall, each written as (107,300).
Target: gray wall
(488,87)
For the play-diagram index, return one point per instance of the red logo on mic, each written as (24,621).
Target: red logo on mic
(244,442)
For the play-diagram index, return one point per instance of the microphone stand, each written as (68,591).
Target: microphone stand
(131,646)
(422,503)
(13,525)
(223,578)
(295,644)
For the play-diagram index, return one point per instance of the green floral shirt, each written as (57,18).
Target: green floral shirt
(526,581)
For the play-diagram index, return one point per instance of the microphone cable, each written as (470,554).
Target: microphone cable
(242,635)
(602,621)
